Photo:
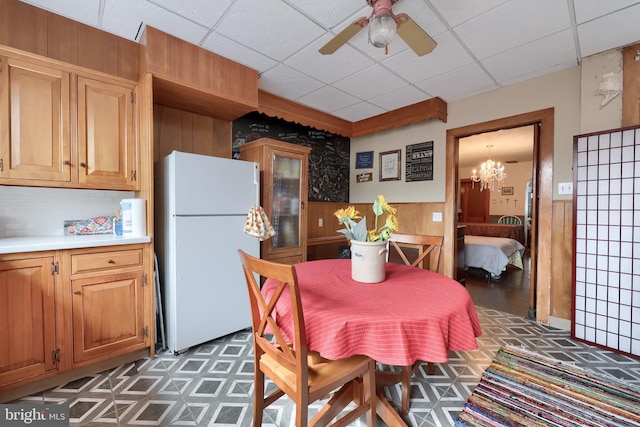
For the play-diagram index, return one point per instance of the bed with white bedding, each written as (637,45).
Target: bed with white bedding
(492,254)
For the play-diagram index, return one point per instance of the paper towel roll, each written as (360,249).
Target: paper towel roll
(134,217)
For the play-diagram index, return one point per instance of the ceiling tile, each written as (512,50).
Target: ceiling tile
(287,82)
(538,73)
(512,24)
(358,112)
(549,52)
(126,24)
(621,29)
(269,26)
(329,68)
(457,12)
(422,14)
(328,12)
(370,82)
(241,54)
(448,55)
(462,81)
(86,11)
(400,98)
(199,11)
(587,10)
(328,99)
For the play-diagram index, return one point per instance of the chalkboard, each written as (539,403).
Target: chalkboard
(328,160)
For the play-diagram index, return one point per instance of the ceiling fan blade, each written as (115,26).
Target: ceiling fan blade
(413,35)
(344,36)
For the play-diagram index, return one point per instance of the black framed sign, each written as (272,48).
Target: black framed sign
(364,160)
(419,159)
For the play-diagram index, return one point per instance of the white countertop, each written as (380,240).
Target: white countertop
(48,243)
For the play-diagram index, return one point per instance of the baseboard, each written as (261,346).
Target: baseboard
(559,323)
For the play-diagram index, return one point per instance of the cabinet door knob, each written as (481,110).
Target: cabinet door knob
(111,261)
(76,292)
(84,165)
(66,162)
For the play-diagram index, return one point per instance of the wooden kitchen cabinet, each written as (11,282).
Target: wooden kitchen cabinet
(30,310)
(67,310)
(65,127)
(34,122)
(106,139)
(108,303)
(284,169)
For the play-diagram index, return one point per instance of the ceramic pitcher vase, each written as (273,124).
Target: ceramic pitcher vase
(368,261)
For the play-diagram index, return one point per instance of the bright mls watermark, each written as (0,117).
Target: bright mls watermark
(34,415)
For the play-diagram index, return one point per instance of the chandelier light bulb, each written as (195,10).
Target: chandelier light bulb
(490,175)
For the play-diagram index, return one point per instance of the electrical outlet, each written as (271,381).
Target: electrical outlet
(437,216)
(320,222)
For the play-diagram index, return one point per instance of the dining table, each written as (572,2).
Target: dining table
(412,315)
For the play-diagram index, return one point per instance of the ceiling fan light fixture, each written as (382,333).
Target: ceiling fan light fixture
(382,30)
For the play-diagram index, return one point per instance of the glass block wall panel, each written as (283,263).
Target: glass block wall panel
(606,298)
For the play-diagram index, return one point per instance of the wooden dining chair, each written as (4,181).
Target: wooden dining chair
(303,375)
(427,246)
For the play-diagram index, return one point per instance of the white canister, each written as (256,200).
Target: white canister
(368,261)
(134,217)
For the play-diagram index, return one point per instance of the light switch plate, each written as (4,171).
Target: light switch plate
(565,188)
(437,216)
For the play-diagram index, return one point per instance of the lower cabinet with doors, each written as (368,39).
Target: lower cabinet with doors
(70,309)
(30,310)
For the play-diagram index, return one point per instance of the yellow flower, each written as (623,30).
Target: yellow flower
(358,230)
(345,214)
(387,208)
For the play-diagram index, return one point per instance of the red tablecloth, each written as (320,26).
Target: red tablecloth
(413,315)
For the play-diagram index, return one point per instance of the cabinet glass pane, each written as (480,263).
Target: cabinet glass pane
(286,201)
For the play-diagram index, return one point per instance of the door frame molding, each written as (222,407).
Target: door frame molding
(543,182)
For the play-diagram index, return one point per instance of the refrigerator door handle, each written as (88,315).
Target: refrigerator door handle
(256,181)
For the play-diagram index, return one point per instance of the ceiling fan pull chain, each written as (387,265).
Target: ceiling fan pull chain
(386,50)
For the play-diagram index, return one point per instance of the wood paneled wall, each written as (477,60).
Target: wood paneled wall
(35,30)
(189,132)
(631,85)
(561,259)
(414,218)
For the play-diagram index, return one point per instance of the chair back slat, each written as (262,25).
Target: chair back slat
(428,246)
(509,219)
(268,336)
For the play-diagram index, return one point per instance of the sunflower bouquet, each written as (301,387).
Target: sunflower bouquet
(357,230)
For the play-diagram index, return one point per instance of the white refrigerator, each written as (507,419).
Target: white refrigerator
(201,206)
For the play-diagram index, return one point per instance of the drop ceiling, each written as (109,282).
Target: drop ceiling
(482,45)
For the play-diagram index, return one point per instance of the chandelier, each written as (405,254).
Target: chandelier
(489,175)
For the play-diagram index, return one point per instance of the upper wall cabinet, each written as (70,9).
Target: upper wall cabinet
(61,127)
(106,140)
(34,122)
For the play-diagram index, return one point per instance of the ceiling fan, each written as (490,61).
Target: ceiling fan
(383,25)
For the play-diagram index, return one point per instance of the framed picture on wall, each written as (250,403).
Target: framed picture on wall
(390,166)
(507,191)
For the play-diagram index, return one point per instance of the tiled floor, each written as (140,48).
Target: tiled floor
(212,385)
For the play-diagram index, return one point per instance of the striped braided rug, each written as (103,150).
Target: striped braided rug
(521,388)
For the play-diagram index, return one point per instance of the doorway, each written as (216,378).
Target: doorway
(542,202)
